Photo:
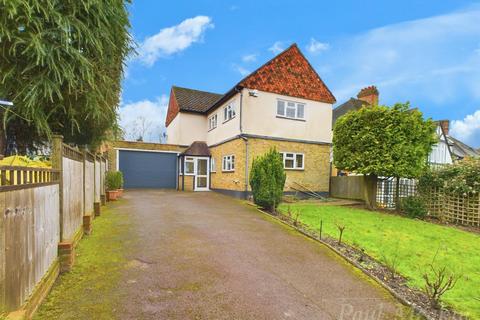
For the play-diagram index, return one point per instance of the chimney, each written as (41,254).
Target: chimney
(445,124)
(369,95)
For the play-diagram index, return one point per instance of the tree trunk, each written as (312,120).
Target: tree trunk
(3,143)
(370,191)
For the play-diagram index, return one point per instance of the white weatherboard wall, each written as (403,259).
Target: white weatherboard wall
(228,129)
(186,128)
(440,153)
(259,117)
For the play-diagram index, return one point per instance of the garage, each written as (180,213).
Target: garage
(148,169)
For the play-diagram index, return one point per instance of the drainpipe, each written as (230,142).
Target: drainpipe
(246,166)
(241,105)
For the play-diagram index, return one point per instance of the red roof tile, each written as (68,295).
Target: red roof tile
(290,74)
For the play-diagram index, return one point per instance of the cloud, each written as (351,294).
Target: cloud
(174,39)
(244,72)
(250,57)
(277,47)
(468,129)
(430,60)
(315,46)
(144,118)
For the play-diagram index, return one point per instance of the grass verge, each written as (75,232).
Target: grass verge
(413,243)
(89,290)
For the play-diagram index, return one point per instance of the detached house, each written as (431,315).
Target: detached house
(283,104)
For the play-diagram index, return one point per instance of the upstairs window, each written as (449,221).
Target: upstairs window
(293,161)
(228,163)
(229,112)
(291,110)
(212,122)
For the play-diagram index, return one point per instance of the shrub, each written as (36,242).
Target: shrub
(120,179)
(113,180)
(267,180)
(413,207)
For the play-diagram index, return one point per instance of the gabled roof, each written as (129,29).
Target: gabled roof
(290,74)
(351,105)
(194,100)
(460,149)
(197,148)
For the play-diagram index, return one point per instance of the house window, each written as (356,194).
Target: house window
(212,165)
(229,112)
(294,161)
(289,109)
(228,163)
(189,166)
(212,122)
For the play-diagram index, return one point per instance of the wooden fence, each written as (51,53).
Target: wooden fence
(44,212)
(347,187)
(452,208)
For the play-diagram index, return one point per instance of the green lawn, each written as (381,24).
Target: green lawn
(415,242)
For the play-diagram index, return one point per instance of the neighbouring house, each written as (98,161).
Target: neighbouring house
(446,151)
(283,104)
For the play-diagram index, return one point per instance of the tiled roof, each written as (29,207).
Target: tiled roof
(290,74)
(352,104)
(197,148)
(460,149)
(194,100)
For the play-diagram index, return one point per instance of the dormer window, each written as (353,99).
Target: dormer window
(290,109)
(229,112)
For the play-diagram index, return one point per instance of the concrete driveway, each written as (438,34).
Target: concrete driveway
(208,256)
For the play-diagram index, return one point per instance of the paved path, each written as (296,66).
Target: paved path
(208,256)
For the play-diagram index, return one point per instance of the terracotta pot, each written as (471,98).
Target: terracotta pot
(112,195)
(119,193)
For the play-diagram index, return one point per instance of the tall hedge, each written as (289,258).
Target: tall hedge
(267,180)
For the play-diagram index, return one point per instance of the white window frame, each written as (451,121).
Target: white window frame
(189,160)
(212,165)
(212,122)
(294,159)
(228,163)
(229,112)
(295,107)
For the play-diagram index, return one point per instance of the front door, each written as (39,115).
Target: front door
(201,174)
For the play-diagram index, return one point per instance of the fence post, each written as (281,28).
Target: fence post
(57,164)
(96,204)
(87,219)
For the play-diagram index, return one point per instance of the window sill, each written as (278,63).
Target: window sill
(211,129)
(225,121)
(228,171)
(294,169)
(288,118)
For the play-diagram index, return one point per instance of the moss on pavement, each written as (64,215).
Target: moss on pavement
(90,290)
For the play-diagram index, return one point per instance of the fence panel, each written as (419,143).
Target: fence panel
(72,175)
(30,232)
(89,183)
(348,187)
(387,191)
(98,180)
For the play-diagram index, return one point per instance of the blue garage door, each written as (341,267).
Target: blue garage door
(143,169)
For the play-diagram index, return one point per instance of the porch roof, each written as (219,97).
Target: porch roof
(197,149)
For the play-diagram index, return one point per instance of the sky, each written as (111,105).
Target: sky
(425,52)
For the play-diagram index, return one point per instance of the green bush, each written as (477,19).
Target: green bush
(113,180)
(267,180)
(413,207)
(120,179)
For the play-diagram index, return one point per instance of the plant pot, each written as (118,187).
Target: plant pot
(112,195)
(119,193)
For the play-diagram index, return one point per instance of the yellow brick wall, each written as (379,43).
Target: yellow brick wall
(188,183)
(112,155)
(316,173)
(229,180)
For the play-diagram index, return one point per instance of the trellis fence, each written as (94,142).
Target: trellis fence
(44,212)
(453,208)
